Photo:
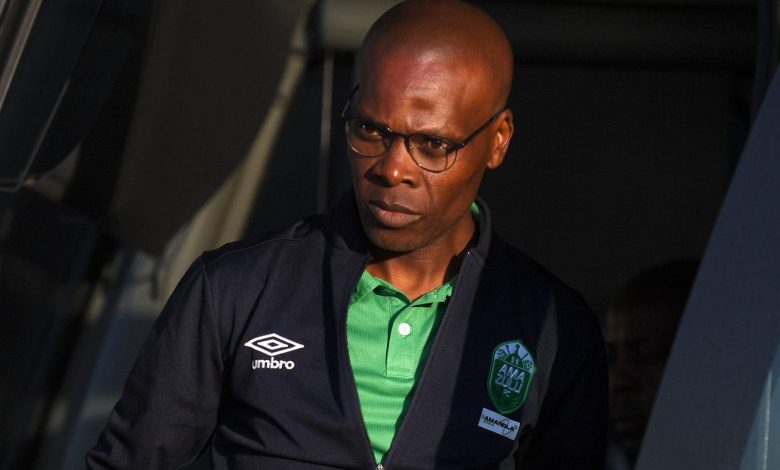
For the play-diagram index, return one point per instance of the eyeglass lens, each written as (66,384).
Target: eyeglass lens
(429,152)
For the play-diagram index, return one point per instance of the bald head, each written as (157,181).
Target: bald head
(450,32)
(437,73)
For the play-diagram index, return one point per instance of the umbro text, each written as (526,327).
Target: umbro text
(272,364)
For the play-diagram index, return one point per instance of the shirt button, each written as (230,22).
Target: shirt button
(404,329)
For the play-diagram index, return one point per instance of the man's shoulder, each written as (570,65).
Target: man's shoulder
(303,238)
(306,238)
(514,270)
(528,283)
(523,267)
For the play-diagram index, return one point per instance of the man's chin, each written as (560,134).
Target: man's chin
(389,241)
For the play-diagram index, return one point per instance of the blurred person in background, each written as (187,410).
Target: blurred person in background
(641,327)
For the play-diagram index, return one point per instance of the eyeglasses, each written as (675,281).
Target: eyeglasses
(432,153)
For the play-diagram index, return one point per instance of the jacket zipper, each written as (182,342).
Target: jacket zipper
(356,401)
(425,367)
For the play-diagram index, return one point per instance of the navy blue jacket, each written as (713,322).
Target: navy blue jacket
(197,384)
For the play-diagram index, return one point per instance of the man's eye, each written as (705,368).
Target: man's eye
(437,145)
(367,129)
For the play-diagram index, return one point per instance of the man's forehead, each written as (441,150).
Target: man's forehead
(438,54)
(425,93)
(421,69)
(422,51)
(447,39)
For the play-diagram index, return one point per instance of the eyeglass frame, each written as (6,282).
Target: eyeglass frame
(389,136)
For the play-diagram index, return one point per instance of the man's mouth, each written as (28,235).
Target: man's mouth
(392,215)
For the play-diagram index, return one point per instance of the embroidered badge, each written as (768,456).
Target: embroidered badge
(511,372)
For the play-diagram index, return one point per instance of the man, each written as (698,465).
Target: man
(641,326)
(396,332)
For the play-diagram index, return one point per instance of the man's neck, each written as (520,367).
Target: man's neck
(419,272)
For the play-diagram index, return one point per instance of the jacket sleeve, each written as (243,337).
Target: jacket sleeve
(168,409)
(572,426)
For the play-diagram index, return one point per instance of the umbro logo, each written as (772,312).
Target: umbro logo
(272,345)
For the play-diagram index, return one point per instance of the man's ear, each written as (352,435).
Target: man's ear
(501,139)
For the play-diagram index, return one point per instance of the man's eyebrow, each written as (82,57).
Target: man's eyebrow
(437,133)
(369,120)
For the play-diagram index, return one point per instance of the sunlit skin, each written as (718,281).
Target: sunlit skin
(418,75)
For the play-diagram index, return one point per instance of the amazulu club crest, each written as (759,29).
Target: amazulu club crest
(511,372)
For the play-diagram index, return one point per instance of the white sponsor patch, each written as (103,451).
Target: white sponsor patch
(498,424)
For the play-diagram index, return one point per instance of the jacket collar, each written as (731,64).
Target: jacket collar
(343,228)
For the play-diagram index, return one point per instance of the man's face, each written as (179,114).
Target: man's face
(404,208)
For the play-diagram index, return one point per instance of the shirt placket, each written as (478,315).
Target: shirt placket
(403,341)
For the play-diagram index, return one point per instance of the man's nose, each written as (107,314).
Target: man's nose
(396,165)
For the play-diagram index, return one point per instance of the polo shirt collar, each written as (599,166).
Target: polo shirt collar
(369,283)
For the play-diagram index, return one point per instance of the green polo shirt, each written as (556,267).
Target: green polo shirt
(389,337)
